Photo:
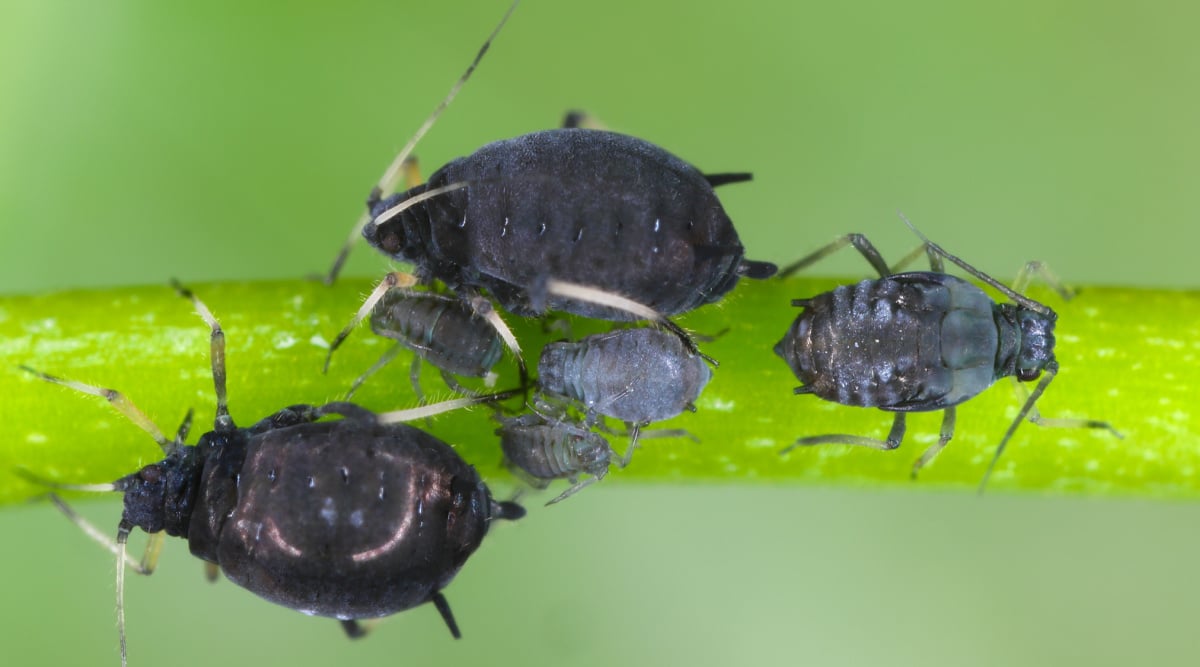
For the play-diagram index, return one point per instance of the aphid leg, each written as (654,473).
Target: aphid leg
(412,172)
(119,402)
(1050,371)
(428,410)
(670,433)
(355,629)
(458,388)
(211,571)
(414,378)
(576,487)
(948,416)
(1039,269)
(912,256)
(709,338)
(654,433)
(617,302)
(289,416)
(390,177)
(894,438)
(520,473)
(443,608)
(484,309)
(384,360)
(1068,422)
(390,281)
(860,243)
(223,422)
(634,431)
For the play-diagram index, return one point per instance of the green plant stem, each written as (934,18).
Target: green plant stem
(1127,356)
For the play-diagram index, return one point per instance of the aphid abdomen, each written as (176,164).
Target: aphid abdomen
(582,206)
(548,450)
(857,346)
(536,450)
(635,375)
(443,330)
(352,519)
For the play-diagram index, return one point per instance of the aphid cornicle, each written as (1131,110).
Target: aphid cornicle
(356,518)
(918,342)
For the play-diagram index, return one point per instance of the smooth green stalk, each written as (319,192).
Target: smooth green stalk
(1127,356)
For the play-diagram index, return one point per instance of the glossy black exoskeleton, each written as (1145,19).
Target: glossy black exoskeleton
(918,342)
(540,449)
(352,519)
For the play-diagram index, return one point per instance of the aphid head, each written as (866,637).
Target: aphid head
(590,451)
(386,231)
(161,495)
(1037,343)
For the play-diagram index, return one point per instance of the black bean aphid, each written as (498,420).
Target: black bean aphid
(581,206)
(577,206)
(353,519)
(540,449)
(440,329)
(917,342)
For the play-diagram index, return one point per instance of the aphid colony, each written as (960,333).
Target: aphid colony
(362,516)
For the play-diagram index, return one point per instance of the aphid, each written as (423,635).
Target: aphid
(918,342)
(638,376)
(541,449)
(578,206)
(439,329)
(356,518)
(589,207)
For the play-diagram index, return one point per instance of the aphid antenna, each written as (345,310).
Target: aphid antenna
(393,280)
(116,547)
(1004,289)
(222,423)
(391,175)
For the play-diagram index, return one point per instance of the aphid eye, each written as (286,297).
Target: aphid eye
(390,243)
(150,473)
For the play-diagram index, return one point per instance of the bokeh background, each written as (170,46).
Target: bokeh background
(229,140)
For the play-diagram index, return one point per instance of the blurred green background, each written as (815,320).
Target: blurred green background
(231,140)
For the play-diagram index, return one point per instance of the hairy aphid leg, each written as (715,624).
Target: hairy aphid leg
(119,401)
(600,297)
